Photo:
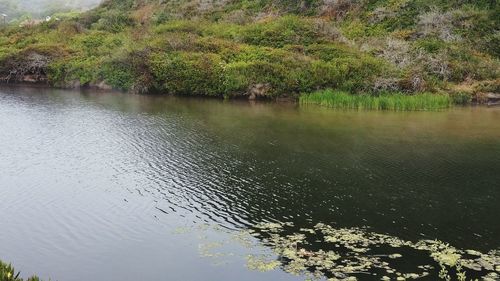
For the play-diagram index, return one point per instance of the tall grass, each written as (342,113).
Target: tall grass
(398,102)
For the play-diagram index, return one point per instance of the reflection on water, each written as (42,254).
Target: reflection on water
(93,184)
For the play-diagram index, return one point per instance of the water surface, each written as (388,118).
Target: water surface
(94,185)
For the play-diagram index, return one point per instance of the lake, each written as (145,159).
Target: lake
(109,186)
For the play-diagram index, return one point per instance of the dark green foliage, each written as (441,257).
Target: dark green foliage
(431,45)
(240,76)
(461,98)
(118,74)
(188,73)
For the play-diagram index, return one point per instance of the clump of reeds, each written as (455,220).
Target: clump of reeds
(397,101)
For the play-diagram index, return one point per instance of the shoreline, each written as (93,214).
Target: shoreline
(325,98)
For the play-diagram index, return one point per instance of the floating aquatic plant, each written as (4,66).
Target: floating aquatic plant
(260,264)
(344,253)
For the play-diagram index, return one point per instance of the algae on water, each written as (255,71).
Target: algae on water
(325,252)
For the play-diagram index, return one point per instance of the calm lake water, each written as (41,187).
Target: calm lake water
(95,186)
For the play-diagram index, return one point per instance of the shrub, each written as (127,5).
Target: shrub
(240,76)
(89,43)
(69,28)
(8,273)
(430,45)
(492,43)
(250,53)
(492,86)
(180,26)
(465,64)
(185,73)
(461,98)
(118,74)
(357,29)
(282,31)
(129,71)
(67,71)
(437,23)
(362,72)
(113,21)
(330,51)
(33,61)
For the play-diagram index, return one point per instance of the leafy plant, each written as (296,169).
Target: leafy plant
(8,273)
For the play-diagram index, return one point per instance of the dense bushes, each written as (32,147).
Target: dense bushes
(74,72)
(288,30)
(266,48)
(118,74)
(241,76)
(209,74)
(30,64)
(188,73)
(462,98)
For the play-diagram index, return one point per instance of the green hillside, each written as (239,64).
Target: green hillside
(268,48)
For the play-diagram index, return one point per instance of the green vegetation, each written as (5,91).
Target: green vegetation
(326,252)
(269,49)
(400,102)
(8,273)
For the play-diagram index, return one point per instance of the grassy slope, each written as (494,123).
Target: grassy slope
(267,47)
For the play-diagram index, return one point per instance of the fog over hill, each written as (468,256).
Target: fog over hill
(37,8)
(43,4)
